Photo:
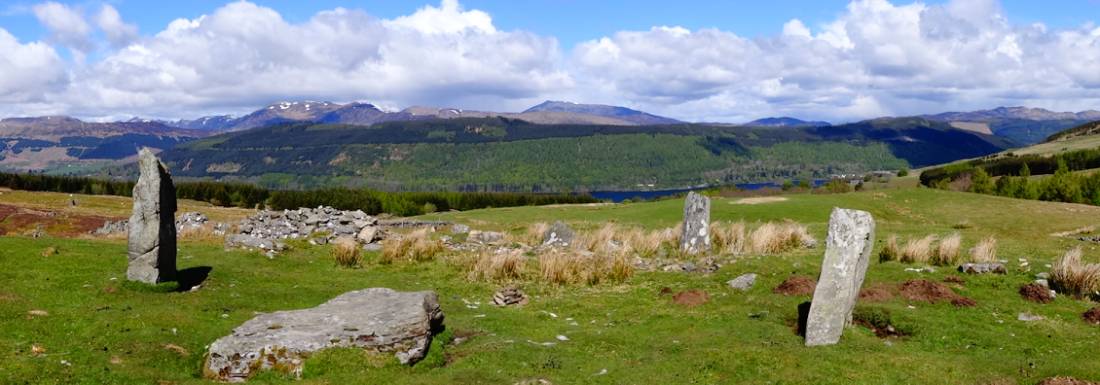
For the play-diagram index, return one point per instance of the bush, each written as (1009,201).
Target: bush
(346,253)
(1071,276)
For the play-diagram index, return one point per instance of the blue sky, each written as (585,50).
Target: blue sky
(695,60)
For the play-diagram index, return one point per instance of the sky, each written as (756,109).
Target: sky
(692,60)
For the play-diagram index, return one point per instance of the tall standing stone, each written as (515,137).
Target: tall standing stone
(696,231)
(847,252)
(152,229)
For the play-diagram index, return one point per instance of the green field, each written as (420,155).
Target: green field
(102,330)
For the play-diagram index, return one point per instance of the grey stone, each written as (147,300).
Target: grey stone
(1042,275)
(151,249)
(983,268)
(1028,317)
(696,232)
(377,319)
(486,237)
(368,234)
(509,296)
(558,235)
(112,227)
(459,228)
(848,244)
(743,283)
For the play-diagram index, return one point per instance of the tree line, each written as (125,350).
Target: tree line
(249,196)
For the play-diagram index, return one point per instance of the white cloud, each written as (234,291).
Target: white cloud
(118,32)
(875,58)
(66,25)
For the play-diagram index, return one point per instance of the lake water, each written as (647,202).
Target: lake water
(619,196)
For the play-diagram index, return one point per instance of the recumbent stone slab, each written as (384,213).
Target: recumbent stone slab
(376,319)
(848,244)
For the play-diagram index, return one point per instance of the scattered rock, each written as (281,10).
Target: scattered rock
(691,298)
(190,221)
(535,381)
(459,228)
(112,227)
(743,283)
(848,244)
(1028,317)
(37,313)
(796,285)
(558,235)
(377,319)
(151,246)
(1037,293)
(485,237)
(1092,316)
(696,234)
(266,230)
(368,234)
(983,268)
(509,296)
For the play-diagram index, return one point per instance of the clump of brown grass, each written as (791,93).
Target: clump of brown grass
(775,238)
(985,251)
(346,252)
(918,250)
(605,240)
(563,268)
(947,254)
(504,265)
(647,243)
(890,250)
(535,232)
(199,233)
(50,251)
(729,238)
(416,246)
(1069,275)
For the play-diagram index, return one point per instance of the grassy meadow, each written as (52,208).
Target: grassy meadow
(68,316)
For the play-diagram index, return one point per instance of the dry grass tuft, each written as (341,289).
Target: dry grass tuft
(947,254)
(346,252)
(728,238)
(918,250)
(985,251)
(775,238)
(584,268)
(890,250)
(1070,275)
(535,232)
(504,265)
(200,233)
(647,243)
(416,246)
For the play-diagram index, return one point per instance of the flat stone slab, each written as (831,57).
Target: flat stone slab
(851,236)
(377,319)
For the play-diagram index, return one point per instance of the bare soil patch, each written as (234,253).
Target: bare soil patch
(758,200)
(691,298)
(923,290)
(16,220)
(1092,316)
(796,285)
(879,292)
(1036,293)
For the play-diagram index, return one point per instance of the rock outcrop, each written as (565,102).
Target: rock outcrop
(377,319)
(696,232)
(848,244)
(151,248)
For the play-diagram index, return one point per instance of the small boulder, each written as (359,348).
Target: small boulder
(983,268)
(558,235)
(485,237)
(509,296)
(743,283)
(459,228)
(368,234)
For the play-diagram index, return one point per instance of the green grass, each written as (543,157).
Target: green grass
(630,330)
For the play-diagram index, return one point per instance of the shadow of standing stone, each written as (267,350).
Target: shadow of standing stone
(151,248)
(696,234)
(847,252)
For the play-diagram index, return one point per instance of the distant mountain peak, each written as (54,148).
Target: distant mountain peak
(616,112)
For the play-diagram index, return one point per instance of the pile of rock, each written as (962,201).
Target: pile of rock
(509,296)
(112,227)
(267,229)
(190,220)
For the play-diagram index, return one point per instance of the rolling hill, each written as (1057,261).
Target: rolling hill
(1022,125)
(504,154)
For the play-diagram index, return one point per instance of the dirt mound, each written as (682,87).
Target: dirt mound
(954,279)
(879,292)
(1065,381)
(923,290)
(691,298)
(796,285)
(1092,316)
(1036,293)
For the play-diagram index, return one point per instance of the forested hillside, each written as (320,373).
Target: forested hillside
(500,154)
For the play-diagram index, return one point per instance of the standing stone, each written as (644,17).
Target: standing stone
(696,233)
(559,234)
(847,252)
(152,226)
